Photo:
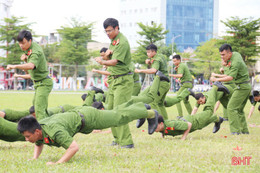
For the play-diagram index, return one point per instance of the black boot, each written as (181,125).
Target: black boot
(221,87)
(217,125)
(152,123)
(162,76)
(97,90)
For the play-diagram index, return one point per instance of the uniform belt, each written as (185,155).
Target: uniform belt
(62,109)
(117,76)
(82,121)
(186,82)
(243,82)
(227,83)
(181,118)
(137,81)
(47,77)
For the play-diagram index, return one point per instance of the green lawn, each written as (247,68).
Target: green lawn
(203,151)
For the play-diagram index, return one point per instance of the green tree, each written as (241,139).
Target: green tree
(151,34)
(50,52)
(73,47)
(242,36)
(207,59)
(8,37)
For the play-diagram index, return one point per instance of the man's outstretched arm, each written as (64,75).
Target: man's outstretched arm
(185,134)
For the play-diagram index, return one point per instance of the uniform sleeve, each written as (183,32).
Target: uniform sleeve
(156,64)
(197,105)
(120,51)
(63,138)
(34,58)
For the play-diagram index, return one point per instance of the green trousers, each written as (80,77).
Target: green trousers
(60,109)
(118,117)
(40,100)
(9,132)
(170,101)
(120,91)
(185,101)
(235,109)
(158,102)
(14,116)
(137,88)
(224,101)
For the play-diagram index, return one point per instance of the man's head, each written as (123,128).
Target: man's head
(225,52)
(102,53)
(111,27)
(160,126)
(176,59)
(32,111)
(25,39)
(83,97)
(30,128)
(256,95)
(151,50)
(98,105)
(201,99)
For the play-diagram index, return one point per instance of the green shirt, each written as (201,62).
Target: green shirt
(121,52)
(36,56)
(237,68)
(184,70)
(160,63)
(59,130)
(59,109)
(174,127)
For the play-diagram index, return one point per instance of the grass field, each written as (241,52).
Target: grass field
(203,151)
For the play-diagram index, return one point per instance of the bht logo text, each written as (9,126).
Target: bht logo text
(241,160)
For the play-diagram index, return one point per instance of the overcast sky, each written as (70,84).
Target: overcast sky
(49,15)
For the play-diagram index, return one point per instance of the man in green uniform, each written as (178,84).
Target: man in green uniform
(191,123)
(121,84)
(170,101)
(13,115)
(59,130)
(183,73)
(158,65)
(137,84)
(237,71)
(254,98)
(36,66)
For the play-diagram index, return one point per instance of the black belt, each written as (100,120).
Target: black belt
(137,81)
(117,76)
(181,118)
(62,109)
(243,82)
(228,83)
(82,121)
(186,82)
(47,77)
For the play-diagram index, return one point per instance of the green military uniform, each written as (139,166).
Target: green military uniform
(92,96)
(13,115)
(137,84)
(235,108)
(60,109)
(39,75)
(159,63)
(9,132)
(199,120)
(186,82)
(59,130)
(121,84)
(170,101)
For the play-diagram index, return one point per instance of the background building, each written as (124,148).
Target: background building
(189,21)
(5,6)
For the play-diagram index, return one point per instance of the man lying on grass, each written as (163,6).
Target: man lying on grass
(58,130)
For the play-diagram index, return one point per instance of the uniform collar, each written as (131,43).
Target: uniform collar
(116,37)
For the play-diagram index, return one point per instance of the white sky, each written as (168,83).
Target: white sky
(49,15)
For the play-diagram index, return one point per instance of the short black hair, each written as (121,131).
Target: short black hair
(178,57)
(83,97)
(28,123)
(32,110)
(255,93)
(98,105)
(152,47)
(110,22)
(104,49)
(199,95)
(24,34)
(160,119)
(226,47)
